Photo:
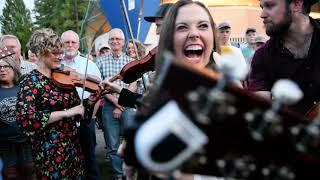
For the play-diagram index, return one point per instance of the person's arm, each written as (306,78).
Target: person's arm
(133,86)
(128,98)
(29,117)
(68,113)
(264,94)
(96,108)
(113,100)
(111,87)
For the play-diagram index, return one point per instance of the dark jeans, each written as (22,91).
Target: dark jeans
(87,137)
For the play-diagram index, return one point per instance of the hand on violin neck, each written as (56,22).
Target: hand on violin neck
(109,87)
(116,77)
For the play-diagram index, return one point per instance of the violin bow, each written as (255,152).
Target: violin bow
(125,12)
(84,80)
(139,19)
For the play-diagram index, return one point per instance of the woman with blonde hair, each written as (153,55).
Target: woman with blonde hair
(48,114)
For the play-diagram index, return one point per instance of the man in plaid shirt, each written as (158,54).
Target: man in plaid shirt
(112,113)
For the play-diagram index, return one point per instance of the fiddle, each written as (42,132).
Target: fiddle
(135,69)
(67,78)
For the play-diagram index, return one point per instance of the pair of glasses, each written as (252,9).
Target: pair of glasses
(5,67)
(70,42)
(57,54)
(115,39)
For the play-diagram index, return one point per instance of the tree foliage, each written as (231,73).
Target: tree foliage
(16,20)
(60,15)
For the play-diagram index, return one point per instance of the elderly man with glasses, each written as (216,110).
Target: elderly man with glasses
(112,113)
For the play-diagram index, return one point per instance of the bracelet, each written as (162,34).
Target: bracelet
(65,114)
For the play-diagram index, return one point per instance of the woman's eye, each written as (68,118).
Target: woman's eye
(179,28)
(203,26)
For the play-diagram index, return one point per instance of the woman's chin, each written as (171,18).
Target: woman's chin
(56,65)
(197,61)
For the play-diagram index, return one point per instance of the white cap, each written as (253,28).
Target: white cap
(103,45)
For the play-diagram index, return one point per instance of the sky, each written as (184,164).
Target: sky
(29,4)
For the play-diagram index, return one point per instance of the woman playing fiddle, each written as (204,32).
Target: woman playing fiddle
(48,113)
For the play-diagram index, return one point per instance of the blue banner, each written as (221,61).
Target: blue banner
(112,10)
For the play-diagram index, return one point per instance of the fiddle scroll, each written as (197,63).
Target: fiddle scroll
(135,69)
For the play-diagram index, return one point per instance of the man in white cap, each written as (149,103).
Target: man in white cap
(103,49)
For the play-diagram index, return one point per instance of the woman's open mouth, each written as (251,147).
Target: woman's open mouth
(193,53)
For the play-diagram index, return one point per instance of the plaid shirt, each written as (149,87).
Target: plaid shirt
(27,66)
(110,66)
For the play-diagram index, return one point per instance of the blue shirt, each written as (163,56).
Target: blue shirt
(247,52)
(79,64)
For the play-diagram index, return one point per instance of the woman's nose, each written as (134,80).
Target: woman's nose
(194,34)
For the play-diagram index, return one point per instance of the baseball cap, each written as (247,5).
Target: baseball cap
(223,25)
(161,12)
(103,45)
(259,39)
(250,30)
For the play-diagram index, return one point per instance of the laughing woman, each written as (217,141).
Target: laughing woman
(15,151)
(47,113)
(189,33)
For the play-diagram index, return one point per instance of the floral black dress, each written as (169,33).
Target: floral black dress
(55,147)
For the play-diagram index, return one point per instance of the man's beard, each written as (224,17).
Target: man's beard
(69,54)
(282,27)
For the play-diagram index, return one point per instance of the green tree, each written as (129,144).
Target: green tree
(16,20)
(60,15)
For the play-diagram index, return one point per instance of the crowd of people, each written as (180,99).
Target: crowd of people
(47,131)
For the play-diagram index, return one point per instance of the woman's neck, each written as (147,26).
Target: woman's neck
(45,70)
(6,84)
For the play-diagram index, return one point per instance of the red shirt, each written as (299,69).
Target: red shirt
(273,62)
